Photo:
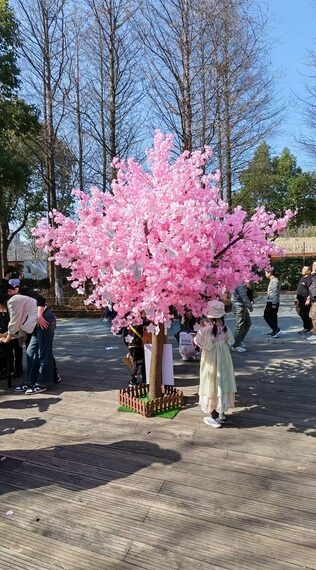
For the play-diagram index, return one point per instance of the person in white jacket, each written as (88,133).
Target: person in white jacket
(272,304)
(23,316)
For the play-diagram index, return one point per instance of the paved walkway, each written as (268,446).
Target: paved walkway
(84,487)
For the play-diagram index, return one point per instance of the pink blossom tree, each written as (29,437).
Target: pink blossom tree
(163,238)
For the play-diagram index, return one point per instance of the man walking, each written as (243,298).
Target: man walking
(302,295)
(242,306)
(272,305)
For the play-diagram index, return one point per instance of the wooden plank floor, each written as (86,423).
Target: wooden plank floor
(83,486)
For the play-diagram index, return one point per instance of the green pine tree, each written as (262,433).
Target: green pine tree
(278,184)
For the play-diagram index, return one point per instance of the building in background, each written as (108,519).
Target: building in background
(31,261)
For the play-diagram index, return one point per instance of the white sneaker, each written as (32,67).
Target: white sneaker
(239,349)
(209,421)
(312,337)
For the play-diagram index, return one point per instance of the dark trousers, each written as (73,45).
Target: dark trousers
(243,323)
(303,311)
(138,369)
(39,354)
(270,316)
(17,355)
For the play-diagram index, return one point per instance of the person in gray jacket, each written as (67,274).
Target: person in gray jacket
(242,305)
(272,305)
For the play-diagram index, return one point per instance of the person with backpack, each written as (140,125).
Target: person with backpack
(311,301)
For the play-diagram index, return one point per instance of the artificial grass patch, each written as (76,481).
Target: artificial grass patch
(169,415)
(145,399)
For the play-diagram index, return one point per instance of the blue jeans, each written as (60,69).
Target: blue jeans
(39,354)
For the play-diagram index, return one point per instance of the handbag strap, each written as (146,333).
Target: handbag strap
(136,332)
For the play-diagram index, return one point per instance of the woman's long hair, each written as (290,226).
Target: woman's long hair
(215,327)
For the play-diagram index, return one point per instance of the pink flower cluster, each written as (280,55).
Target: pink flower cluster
(163,238)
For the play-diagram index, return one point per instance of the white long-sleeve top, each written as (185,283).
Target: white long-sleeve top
(274,289)
(23,314)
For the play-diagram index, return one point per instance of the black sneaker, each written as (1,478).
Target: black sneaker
(36,389)
(21,389)
(276,334)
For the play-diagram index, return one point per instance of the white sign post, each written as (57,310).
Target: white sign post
(167,364)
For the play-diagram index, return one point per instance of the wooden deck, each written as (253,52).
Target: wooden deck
(84,487)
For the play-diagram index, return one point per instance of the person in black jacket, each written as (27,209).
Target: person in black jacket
(302,294)
(133,338)
(6,351)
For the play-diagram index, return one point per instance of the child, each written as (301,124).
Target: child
(217,377)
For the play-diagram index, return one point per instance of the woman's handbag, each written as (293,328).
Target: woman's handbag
(128,361)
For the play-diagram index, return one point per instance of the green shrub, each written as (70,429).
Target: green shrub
(288,269)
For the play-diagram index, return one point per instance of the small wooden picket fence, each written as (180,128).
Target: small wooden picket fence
(171,398)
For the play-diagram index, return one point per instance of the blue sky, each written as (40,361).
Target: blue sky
(294,31)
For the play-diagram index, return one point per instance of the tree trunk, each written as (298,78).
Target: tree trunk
(102,110)
(155,376)
(112,91)
(79,120)
(4,244)
(227,186)
(186,56)
(55,282)
(220,152)
(59,292)
(228,157)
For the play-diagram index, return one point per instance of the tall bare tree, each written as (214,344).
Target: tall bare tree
(115,91)
(247,109)
(308,141)
(170,37)
(45,50)
(209,78)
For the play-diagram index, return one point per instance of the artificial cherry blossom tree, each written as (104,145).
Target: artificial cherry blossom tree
(163,238)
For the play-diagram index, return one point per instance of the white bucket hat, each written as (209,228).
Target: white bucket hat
(215,309)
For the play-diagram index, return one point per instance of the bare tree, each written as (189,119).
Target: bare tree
(247,108)
(171,40)
(112,120)
(209,77)
(308,142)
(45,50)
